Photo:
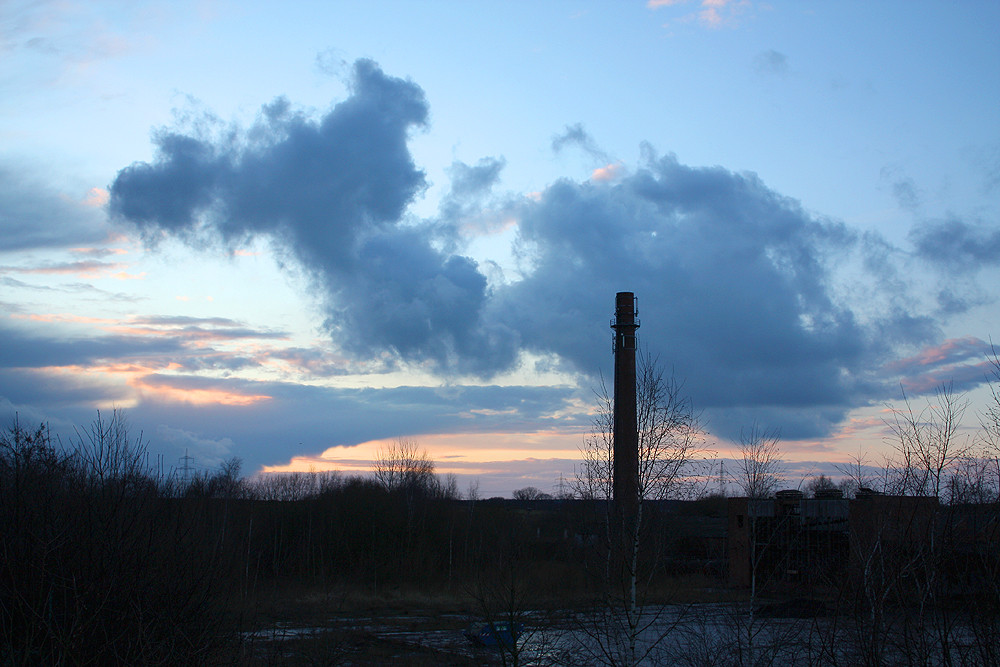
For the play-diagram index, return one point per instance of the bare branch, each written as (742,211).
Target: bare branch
(759,470)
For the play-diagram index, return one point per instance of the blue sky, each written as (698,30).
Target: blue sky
(289,232)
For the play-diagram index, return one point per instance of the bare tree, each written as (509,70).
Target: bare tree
(819,485)
(858,474)
(759,470)
(671,439)
(594,479)
(989,420)
(928,443)
(403,465)
(671,436)
(671,442)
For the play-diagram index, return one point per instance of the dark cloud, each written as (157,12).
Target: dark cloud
(734,286)
(419,305)
(956,245)
(318,185)
(57,395)
(20,349)
(333,192)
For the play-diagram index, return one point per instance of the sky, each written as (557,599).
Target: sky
(292,233)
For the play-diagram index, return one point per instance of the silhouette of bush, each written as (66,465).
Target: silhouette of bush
(98,567)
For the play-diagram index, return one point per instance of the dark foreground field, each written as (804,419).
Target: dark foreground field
(299,626)
(317,629)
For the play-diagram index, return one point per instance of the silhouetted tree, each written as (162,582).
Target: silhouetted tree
(402,465)
(759,468)
(98,566)
(671,444)
(819,485)
(530,493)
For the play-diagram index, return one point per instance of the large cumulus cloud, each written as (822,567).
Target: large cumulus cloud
(734,286)
(735,281)
(333,193)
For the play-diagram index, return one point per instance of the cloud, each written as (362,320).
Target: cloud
(20,349)
(608,172)
(198,391)
(96,198)
(34,216)
(949,352)
(960,362)
(463,209)
(577,136)
(956,245)
(771,62)
(333,193)
(904,189)
(471,181)
(82,269)
(713,13)
(142,359)
(735,285)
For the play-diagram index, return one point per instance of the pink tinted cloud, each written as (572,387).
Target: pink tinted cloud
(122,275)
(959,361)
(96,198)
(959,375)
(63,318)
(99,252)
(948,352)
(607,173)
(713,13)
(193,396)
(85,269)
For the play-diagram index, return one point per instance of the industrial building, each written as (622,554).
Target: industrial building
(790,538)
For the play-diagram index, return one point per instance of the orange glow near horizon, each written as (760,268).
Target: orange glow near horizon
(448,448)
(863,432)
